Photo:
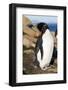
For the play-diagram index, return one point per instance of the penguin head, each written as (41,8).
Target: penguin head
(42,27)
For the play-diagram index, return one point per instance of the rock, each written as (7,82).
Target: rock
(30,35)
(29,51)
(26,21)
(28,43)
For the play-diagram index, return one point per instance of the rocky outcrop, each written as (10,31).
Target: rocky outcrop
(30,35)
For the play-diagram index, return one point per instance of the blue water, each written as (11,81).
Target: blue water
(52,27)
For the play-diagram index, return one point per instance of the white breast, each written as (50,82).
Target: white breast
(48,45)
